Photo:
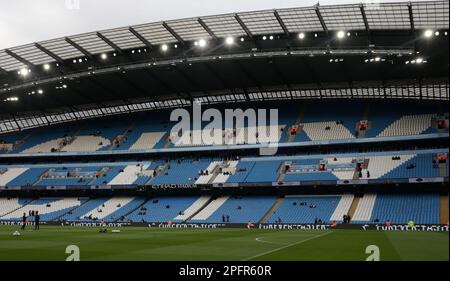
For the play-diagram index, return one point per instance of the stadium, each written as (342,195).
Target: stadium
(314,133)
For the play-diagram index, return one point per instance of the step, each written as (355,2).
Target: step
(443,169)
(272,210)
(444,209)
(352,210)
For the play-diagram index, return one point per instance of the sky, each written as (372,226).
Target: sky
(27,21)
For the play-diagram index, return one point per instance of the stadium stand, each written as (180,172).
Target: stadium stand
(49,209)
(305,209)
(194,208)
(325,122)
(362,122)
(365,207)
(9,205)
(237,209)
(400,209)
(108,208)
(162,209)
(210,209)
(210,171)
(77,215)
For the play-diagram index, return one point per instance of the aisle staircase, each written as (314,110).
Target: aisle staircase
(272,210)
(444,209)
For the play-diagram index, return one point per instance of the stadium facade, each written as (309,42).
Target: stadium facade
(361,93)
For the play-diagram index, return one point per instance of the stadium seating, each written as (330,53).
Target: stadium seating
(8,205)
(210,209)
(9,174)
(381,166)
(317,122)
(181,172)
(194,208)
(364,210)
(87,144)
(27,178)
(147,140)
(266,171)
(343,207)
(223,177)
(121,212)
(77,215)
(129,175)
(401,208)
(239,209)
(326,131)
(408,125)
(421,166)
(161,209)
(305,209)
(109,209)
(50,209)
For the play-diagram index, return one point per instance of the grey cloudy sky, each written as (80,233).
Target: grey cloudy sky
(26,21)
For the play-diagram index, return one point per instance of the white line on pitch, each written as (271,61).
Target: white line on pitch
(268,242)
(287,246)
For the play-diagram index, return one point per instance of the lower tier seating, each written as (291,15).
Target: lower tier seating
(301,209)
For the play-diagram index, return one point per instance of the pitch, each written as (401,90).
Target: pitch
(134,243)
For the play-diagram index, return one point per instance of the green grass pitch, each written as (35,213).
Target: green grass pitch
(219,244)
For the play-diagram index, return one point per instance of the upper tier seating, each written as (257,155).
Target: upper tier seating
(323,121)
(408,125)
(129,175)
(182,172)
(225,175)
(245,171)
(327,131)
(379,166)
(27,178)
(147,140)
(10,174)
(45,147)
(420,166)
(45,139)
(87,144)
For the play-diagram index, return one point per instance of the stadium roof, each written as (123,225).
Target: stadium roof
(284,50)
(393,16)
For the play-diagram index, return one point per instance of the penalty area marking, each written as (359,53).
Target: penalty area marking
(286,246)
